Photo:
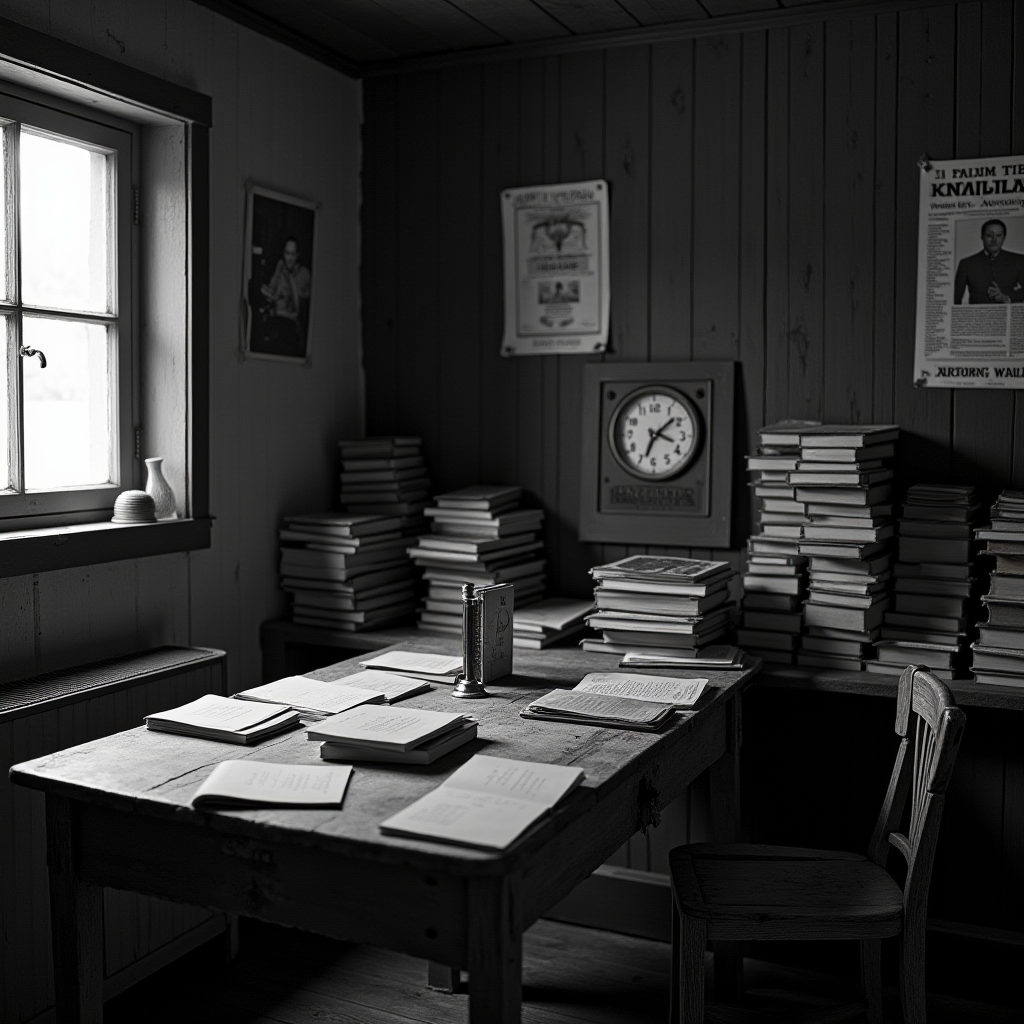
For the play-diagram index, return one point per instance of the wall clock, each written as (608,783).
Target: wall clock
(657,453)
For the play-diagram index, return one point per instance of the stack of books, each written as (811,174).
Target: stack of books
(479,535)
(385,476)
(928,620)
(776,575)
(391,735)
(659,602)
(549,621)
(999,651)
(347,572)
(844,477)
(213,717)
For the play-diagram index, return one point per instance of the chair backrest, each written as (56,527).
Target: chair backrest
(930,726)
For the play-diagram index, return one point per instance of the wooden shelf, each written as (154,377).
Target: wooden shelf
(967,694)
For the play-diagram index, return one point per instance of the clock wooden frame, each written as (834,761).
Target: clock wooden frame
(689,509)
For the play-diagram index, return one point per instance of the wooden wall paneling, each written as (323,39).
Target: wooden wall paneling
(380,240)
(17,638)
(750,384)
(627,168)
(499,169)
(419,276)
(983,419)
(1017,146)
(532,451)
(806,226)
(457,278)
(777,349)
(847,394)
(162,601)
(671,201)
(582,102)
(716,185)
(926,121)
(885,171)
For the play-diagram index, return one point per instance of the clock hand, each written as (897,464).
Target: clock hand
(650,443)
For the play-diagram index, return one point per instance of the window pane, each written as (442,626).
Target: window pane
(5,402)
(4,150)
(65,233)
(69,431)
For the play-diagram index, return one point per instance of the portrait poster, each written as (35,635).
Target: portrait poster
(556,269)
(970,274)
(280,232)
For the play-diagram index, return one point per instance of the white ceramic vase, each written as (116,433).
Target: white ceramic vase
(160,490)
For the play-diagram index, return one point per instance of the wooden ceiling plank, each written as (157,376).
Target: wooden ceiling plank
(370,19)
(664,12)
(720,8)
(319,23)
(581,16)
(454,28)
(518,21)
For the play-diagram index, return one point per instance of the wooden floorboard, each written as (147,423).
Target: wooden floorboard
(570,975)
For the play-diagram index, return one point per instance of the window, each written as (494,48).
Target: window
(66,280)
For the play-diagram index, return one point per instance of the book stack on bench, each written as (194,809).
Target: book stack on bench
(933,581)
(844,477)
(659,603)
(347,572)
(479,535)
(999,651)
(385,476)
(776,575)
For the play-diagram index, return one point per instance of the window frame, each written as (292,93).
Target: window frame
(66,73)
(106,133)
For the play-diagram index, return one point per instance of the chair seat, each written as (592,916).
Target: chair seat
(780,892)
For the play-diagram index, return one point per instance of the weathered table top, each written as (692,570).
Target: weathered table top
(157,773)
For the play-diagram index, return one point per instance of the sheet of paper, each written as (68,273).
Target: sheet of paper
(372,723)
(681,693)
(524,780)
(213,711)
(411,661)
(554,613)
(260,783)
(392,685)
(713,656)
(600,706)
(304,693)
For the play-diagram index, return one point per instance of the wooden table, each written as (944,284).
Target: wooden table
(118,814)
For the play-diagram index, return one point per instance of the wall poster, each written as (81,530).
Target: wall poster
(556,269)
(280,233)
(970,274)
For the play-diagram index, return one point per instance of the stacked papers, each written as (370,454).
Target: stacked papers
(431,668)
(658,601)
(385,476)
(716,656)
(347,572)
(402,735)
(548,621)
(213,717)
(599,709)
(258,784)
(478,535)
(312,696)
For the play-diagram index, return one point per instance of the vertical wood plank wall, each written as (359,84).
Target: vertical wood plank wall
(763,210)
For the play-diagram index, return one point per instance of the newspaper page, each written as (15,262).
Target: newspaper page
(556,269)
(970,274)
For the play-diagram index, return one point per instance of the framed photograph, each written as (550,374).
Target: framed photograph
(280,235)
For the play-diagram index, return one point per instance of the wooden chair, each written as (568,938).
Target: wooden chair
(730,892)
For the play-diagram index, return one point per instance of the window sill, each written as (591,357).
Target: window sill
(24,552)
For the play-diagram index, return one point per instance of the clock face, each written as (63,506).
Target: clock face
(655,433)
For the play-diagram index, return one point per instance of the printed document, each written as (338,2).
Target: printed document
(680,693)
(306,694)
(426,665)
(489,802)
(259,784)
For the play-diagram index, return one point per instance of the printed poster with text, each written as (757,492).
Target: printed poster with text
(556,269)
(970,274)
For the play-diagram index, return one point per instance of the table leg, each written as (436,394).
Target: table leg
(442,978)
(495,951)
(725,828)
(76,923)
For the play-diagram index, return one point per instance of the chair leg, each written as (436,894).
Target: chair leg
(673,993)
(871,977)
(912,991)
(694,941)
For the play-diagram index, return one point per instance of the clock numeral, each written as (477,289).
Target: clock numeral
(655,406)
(634,422)
(679,421)
(678,452)
(632,447)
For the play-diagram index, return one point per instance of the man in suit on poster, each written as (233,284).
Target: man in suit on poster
(993,275)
